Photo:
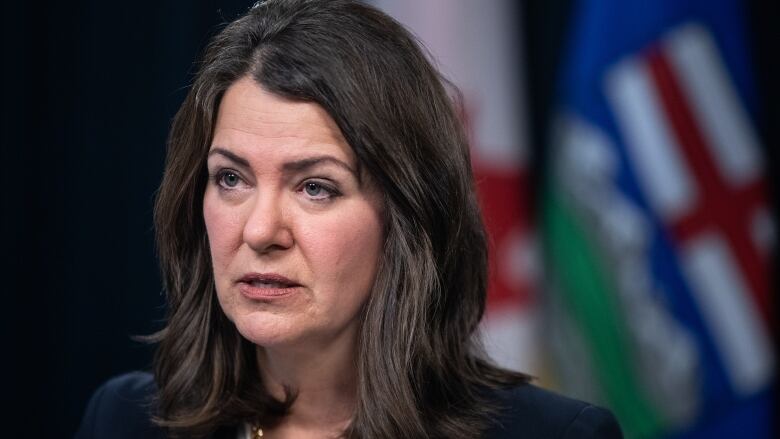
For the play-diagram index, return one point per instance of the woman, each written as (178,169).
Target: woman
(322,250)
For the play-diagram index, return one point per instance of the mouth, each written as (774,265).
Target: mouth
(263,286)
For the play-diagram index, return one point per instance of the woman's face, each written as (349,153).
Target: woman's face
(295,236)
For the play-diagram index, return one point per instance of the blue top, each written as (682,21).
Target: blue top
(120,409)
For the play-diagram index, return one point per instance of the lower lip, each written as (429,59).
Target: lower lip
(257,293)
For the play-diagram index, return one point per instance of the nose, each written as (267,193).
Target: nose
(267,227)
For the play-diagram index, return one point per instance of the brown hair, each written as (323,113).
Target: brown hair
(420,371)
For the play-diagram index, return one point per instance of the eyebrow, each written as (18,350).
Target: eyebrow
(293,166)
(230,156)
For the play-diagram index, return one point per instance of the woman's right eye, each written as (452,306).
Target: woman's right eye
(227,179)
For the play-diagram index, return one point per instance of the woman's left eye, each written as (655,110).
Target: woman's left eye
(318,191)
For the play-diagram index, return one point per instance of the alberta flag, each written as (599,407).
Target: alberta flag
(657,232)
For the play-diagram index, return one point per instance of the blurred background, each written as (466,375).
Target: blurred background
(626,163)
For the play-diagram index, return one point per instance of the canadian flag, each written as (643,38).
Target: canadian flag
(476,46)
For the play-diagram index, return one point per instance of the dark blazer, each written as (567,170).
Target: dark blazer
(119,409)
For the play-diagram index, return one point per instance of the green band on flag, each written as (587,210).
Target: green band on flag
(573,262)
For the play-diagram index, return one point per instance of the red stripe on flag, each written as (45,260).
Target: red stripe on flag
(719,207)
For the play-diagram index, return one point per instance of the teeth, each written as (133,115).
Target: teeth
(258,284)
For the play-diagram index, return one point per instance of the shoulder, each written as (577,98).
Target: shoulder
(530,411)
(121,407)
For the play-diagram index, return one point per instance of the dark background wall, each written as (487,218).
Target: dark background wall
(89,89)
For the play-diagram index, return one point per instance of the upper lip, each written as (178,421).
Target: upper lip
(270,278)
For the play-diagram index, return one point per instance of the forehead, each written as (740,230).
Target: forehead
(252,119)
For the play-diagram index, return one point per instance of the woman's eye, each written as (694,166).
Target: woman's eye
(228,179)
(318,191)
(313,189)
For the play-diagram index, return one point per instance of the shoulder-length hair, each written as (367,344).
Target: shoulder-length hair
(420,371)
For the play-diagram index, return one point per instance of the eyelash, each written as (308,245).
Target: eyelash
(220,175)
(332,192)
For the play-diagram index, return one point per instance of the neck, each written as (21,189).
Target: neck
(324,378)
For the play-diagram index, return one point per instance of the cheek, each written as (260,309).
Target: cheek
(223,227)
(344,251)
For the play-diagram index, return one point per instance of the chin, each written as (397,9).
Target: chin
(263,331)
